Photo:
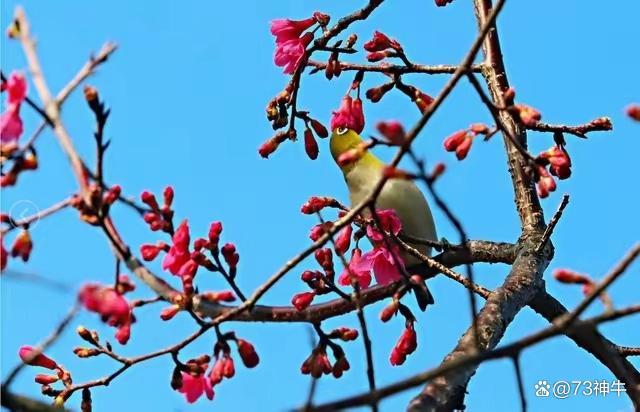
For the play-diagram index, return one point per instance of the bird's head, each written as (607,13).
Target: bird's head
(344,139)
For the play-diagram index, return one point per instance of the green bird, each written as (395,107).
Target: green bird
(401,195)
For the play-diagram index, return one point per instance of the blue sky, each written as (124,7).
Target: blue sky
(188,87)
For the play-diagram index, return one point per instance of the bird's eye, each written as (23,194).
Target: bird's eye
(342,130)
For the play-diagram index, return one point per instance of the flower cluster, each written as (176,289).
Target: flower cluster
(11,129)
(460,142)
(559,164)
(318,363)
(349,115)
(183,259)
(278,114)
(111,305)
(34,357)
(381,47)
(191,378)
(159,218)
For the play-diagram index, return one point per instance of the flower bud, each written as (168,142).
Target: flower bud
(569,276)
(310,145)
(375,94)
(248,354)
(633,111)
(46,379)
(343,240)
(170,312)
(319,128)
(230,255)
(453,141)
(389,311)
(463,148)
(301,301)
(149,199)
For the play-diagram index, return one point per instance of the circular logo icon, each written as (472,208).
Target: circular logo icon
(22,209)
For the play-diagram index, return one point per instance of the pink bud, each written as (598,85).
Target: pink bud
(248,354)
(30,357)
(301,301)
(310,144)
(169,312)
(452,142)
(149,252)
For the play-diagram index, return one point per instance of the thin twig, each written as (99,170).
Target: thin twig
(27,221)
(548,231)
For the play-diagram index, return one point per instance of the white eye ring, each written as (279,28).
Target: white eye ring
(342,130)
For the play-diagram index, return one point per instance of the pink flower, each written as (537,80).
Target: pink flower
(179,252)
(363,276)
(383,263)
(289,53)
(10,124)
(16,88)
(194,386)
(10,121)
(390,223)
(113,308)
(349,115)
(285,29)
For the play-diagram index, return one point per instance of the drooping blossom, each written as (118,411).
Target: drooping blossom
(112,307)
(349,115)
(194,386)
(290,42)
(362,276)
(289,53)
(10,122)
(389,221)
(286,29)
(384,263)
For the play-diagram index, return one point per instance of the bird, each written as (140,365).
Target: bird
(401,195)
